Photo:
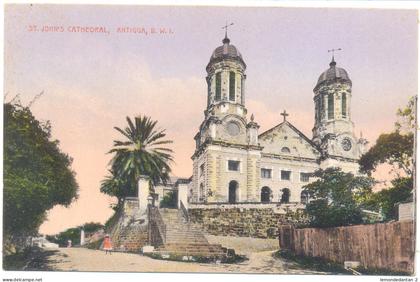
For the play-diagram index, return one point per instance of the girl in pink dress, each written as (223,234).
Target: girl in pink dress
(107,244)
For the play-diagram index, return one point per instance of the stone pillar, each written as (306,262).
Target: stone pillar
(82,237)
(183,195)
(143,192)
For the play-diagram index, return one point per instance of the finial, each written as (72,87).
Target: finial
(333,63)
(226,39)
(252,117)
(284,114)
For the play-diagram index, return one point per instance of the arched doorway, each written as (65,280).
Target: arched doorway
(265,194)
(233,189)
(285,196)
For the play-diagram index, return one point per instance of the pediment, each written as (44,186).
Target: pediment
(286,140)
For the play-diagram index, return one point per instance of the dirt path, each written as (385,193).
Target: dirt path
(80,259)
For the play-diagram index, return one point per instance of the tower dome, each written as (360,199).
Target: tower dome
(226,77)
(333,74)
(226,51)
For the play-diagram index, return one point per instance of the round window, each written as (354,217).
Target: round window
(346,144)
(233,128)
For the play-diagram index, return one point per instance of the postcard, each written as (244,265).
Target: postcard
(209,139)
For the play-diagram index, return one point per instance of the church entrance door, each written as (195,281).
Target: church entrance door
(233,187)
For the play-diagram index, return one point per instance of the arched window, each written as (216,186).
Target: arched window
(285,196)
(265,194)
(201,196)
(330,106)
(304,197)
(344,105)
(242,90)
(318,109)
(232,86)
(218,86)
(285,150)
(233,192)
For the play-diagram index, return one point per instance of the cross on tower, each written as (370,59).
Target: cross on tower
(333,50)
(225,27)
(284,114)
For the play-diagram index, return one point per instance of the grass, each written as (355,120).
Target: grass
(312,263)
(31,259)
(323,265)
(381,271)
(231,258)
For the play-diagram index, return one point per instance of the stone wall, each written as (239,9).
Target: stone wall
(383,245)
(244,220)
(129,232)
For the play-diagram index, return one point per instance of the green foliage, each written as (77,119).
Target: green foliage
(381,271)
(386,200)
(92,227)
(143,152)
(313,263)
(396,149)
(169,200)
(37,175)
(29,259)
(392,148)
(61,239)
(337,198)
(407,117)
(117,187)
(73,234)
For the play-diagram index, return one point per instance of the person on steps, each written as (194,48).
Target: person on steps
(107,244)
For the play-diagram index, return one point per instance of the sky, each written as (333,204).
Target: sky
(92,81)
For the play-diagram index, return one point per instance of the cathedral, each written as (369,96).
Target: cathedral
(234,163)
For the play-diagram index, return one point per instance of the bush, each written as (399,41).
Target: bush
(169,200)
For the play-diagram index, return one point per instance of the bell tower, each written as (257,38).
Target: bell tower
(333,131)
(226,157)
(226,80)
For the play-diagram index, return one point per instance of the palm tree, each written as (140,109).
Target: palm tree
(142,153)
(116,187)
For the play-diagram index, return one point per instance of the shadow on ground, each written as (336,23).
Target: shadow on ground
(32,259)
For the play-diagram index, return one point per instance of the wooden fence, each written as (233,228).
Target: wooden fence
(383,245)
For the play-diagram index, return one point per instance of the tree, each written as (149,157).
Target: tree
(385,200)
(397,149)
(114,186)
(337,198)
(143,152)
(73,234)
(393,148)
(37,175)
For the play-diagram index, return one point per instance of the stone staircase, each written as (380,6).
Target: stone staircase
(129,230)
(186,239)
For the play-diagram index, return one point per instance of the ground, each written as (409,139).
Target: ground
(259,251)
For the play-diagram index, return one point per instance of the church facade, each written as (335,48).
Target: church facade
(234,163)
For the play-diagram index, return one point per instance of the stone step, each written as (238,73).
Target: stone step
(191,245)
(178,241)
(184,238)
(189,251)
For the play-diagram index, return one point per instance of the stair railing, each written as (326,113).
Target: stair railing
(156,222)
(184,211)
